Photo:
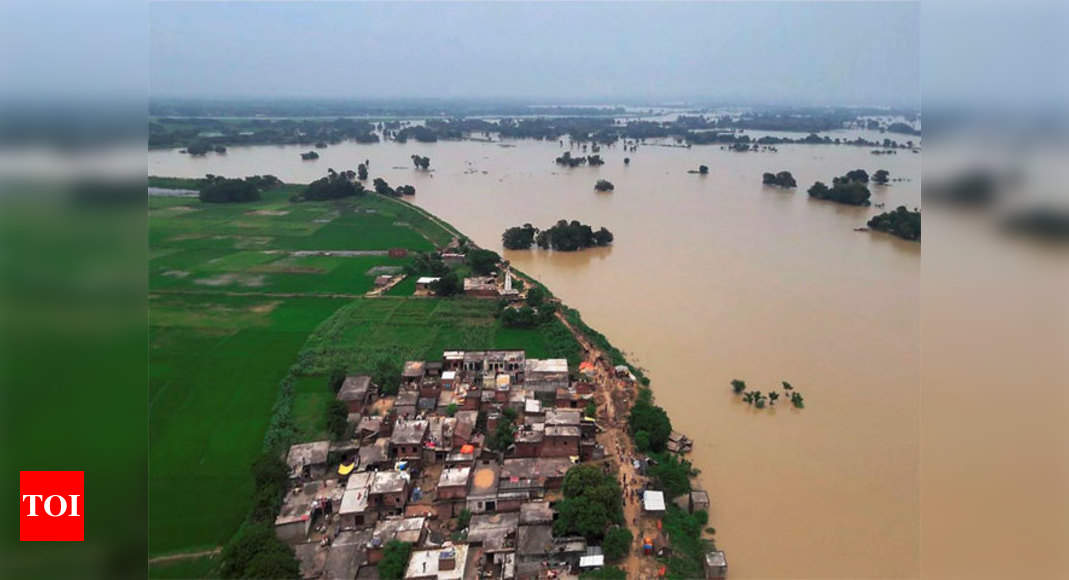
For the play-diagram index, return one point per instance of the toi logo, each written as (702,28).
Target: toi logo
(51,506)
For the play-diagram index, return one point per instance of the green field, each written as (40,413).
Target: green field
(234,313)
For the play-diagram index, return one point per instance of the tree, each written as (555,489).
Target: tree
(503,436)
(645,416)
(604,185)
(483,262)
(336,378)
(381,187)
(671,474)
(463,518)
(223,190)
(703,169)
(257,542)
(447,285)
(617,543)
(901,222)
(603,237)
(592,502)
(738,386)
(772,396)
(405,190)
(591,410)
(423,163)
(333,186)
(627,161)
(387,375)
(881,177)
(519,238)
(361,172)
(273,564)
(642,441)
(536,296)
(337,419)
(797,400)
(394,560)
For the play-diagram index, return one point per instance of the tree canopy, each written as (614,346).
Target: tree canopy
(567,236)
(604,185)
(592,502)
(256,552)
(218,189)
(848,192)
(881,177)
(447,285)
(519,237)
(651,419)
(782,179)
(901,222)
(423,163)
(394,561)
(333,186)
(483,262)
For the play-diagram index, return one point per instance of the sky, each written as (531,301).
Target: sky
(863,53)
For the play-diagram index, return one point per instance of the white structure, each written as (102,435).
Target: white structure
(653,501)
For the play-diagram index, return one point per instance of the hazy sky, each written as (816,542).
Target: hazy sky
(793,53)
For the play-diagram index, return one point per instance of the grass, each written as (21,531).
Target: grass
(366,329)
(205,567)
(310,396)
(215,366)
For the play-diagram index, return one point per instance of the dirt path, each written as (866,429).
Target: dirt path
(185,556)
(614,397)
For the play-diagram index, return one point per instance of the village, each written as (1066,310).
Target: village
(419,468)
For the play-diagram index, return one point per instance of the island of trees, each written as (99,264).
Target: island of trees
(219,189)
(604,185)
(761,400)
(782,179)
(567,160)
(850,189)
(310,155)
(901,222)
(423,163)
(564,236)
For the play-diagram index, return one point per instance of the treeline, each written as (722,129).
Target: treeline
(219,189)
(563,236)
(199,135)
(901,222)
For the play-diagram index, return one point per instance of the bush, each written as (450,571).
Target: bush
(536,296)
(223,190)
(463,519)
(617,544)
(604,185)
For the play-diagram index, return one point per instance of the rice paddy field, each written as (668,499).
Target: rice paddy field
(244,296)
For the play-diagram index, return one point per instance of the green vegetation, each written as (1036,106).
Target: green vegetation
(881,177)
(255,552)
(592,502)
(423,163)
(684,531)
(563,236)
(519,238)
(850,193)
(617,543)
(483,262)
(606,573)
(604,185)
(463,518)
(333,186)
(394,560)
(901,222)
(447,285)
(671,474)
(782,179)
(760,400)
(568,161)
(650,419)
(337,414)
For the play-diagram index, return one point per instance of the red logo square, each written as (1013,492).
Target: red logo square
(51,506)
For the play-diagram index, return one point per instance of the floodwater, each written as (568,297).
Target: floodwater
(713,278)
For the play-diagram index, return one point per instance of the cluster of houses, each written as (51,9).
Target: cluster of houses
(418,459)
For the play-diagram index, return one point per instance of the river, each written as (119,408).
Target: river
(713,278)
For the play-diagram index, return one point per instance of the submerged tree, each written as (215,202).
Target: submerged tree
(738,386)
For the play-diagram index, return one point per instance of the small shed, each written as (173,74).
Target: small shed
(716,565)
(355,392)
(653,502)
(424,283)
(308,460)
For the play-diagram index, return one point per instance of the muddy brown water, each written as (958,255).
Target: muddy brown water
(713,278)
